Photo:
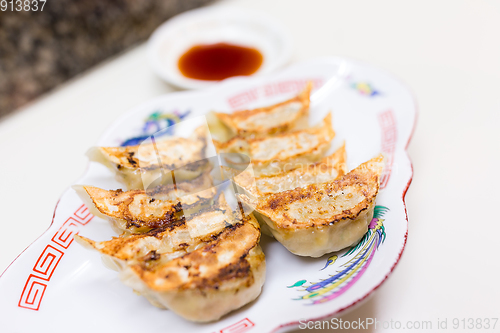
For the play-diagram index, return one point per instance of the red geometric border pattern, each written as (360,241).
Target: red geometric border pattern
(32,293)
(243,325)
(83,215)
(389,137)
(37,282)
(64,236)
(47,262)
(271,89)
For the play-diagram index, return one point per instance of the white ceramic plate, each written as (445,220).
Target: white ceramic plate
(56,283)
(213,25)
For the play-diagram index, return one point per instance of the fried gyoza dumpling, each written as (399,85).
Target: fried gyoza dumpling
(138,166)
(322,218)
(277,118)
(201,268)
(327,169)
(140,210)
(175,239)
(273,155)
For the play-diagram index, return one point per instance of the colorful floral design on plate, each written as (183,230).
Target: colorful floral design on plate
(156,122)
(350,272)
(365,88)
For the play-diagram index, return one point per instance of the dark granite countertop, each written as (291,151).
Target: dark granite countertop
(40,50)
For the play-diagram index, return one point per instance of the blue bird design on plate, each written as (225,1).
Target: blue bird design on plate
(156,122)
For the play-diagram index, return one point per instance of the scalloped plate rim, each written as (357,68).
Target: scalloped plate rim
(220,86)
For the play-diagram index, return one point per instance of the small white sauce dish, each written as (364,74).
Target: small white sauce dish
(216,25)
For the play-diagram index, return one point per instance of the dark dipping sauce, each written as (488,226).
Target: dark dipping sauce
(219,61)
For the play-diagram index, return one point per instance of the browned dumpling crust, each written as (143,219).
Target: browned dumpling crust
(205,284)
(273,155)
(322,218)
(140,210)
(328,168)
(201,268)
(269,120)
(138,166)
(180,237)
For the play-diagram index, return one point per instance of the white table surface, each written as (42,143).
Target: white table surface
(448,52)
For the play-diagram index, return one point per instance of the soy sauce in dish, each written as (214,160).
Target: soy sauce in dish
(219,61)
